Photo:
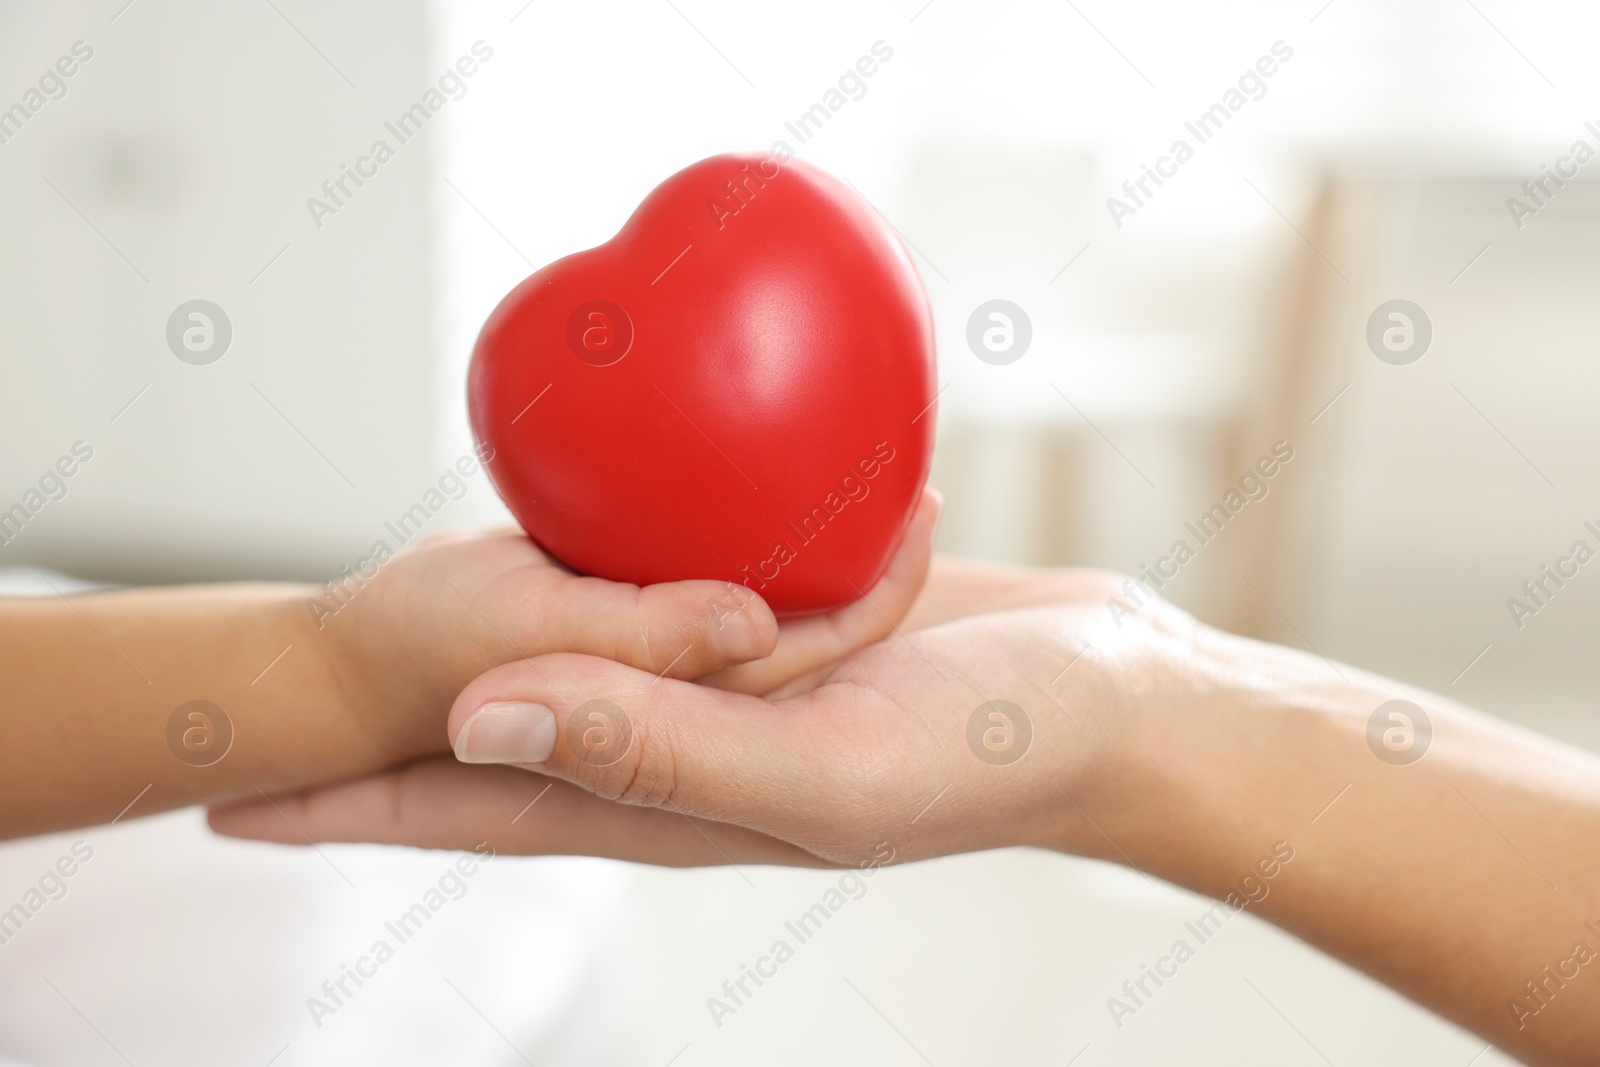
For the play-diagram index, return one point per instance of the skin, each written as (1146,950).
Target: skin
(93,679)
(1163,744)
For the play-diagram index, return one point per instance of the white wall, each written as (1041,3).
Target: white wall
(189,143)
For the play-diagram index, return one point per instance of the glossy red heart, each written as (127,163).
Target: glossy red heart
(737,386)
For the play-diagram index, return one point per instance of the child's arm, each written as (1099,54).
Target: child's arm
(99,703)
(303,685)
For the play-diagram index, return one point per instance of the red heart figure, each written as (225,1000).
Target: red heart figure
(737,386)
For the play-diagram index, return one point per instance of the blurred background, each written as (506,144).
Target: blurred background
(1172,341)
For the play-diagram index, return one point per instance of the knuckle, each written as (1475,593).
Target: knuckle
(645,774)
(631,644)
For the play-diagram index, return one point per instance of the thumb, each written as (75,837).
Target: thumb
(628,736)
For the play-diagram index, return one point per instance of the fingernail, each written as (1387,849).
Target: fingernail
(507,733)
(733,636)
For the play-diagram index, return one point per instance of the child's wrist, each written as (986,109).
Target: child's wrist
(363,680)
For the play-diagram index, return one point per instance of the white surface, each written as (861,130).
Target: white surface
(181,948)
(998,958)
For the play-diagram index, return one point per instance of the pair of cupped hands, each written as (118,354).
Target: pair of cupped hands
(682,724)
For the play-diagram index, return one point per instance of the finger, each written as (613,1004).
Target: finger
(626,736)
(674,629)
(440,803)
(806,644)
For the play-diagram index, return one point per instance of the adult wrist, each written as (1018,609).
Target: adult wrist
(1231,764)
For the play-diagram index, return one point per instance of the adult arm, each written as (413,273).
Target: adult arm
(1468,879)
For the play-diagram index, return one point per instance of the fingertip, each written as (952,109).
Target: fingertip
(743,626)
(553,682)
(508,682)
(705,626)
(916,550)
(244,819)
(930,507)
(512,731)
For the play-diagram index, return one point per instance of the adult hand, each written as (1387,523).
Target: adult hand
(1248,772)
(900,743)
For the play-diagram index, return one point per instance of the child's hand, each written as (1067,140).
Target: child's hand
(405,643)
(134,701)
